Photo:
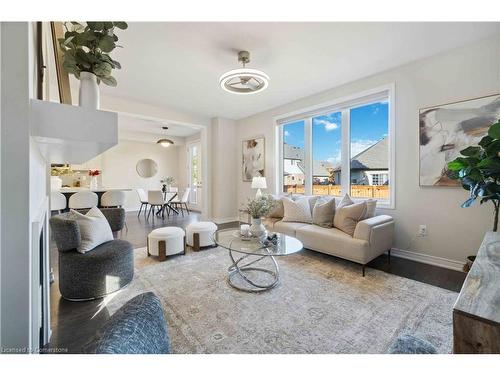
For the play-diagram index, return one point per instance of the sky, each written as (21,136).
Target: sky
(369,124)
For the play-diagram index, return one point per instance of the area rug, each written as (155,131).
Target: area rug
(322,305)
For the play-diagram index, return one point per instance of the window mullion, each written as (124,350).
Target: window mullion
(308,156)
(345,178)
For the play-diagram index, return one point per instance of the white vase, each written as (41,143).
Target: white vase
(93,183)
(89,91)
(257,229)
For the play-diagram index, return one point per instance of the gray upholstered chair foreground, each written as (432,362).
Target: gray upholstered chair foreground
(106,269)
(138,327)
(409,344)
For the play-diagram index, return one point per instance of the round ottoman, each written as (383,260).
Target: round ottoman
(166,241)
(200,234)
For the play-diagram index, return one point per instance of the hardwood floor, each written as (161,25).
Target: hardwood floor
(75,323)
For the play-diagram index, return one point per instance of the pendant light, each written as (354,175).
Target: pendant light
(164,142)
(244,80)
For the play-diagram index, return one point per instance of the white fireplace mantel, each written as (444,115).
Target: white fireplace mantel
(71,134)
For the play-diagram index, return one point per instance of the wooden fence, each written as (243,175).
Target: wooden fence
(359,191)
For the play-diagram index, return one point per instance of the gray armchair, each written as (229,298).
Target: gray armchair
(106,269)
(138,327)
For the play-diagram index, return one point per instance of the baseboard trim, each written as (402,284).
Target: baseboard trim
(223,220)
(428,259)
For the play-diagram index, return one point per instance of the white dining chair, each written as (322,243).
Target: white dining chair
(182,202)
(83,199)
(143,198)
(172,189)
(113,198)
(155,199)
(57,201)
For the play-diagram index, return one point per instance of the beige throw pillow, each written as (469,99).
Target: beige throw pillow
(371,205)
(323,212)
(278,210)
(94,229)
(346,201)
(347,217)
(297,211)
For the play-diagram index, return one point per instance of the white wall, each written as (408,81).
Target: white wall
(23,190)
(225,145)
(467,72)
(118,166)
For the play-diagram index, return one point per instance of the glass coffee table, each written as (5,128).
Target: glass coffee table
(245,273)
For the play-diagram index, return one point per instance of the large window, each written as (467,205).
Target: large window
(342,147)
(293,163)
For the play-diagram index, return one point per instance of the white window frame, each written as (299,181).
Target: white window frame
(343,105)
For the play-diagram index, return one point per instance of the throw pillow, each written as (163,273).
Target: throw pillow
(346,201)
(323,212)
(94,229)
(278,210)
(371,205)
(298,211)
(347,217)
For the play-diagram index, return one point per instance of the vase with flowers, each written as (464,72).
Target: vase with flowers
(257,208)
(93,173)
(167,183)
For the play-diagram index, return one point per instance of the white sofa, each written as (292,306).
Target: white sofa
(372,237)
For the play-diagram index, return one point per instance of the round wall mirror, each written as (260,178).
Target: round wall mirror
(146,168)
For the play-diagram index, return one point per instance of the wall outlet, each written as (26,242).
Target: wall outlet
(422,230)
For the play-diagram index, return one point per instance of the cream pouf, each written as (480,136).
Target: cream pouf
(166,241)
(200,234)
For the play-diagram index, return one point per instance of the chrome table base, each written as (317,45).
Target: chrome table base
(240,270)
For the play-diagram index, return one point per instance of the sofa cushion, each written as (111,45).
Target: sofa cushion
(347,217)
(323,212)
(297,211)
(94,229)
(334,242)
(288,228)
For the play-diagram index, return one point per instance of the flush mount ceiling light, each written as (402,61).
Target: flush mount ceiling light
(164,142)
(244,80)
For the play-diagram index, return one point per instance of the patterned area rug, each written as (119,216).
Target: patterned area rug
(322,305)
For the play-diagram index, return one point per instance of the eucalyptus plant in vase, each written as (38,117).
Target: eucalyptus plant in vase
(257,208)
(86,47)
(478,169)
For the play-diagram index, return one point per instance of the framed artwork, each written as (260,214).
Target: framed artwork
(446,129)
(253,158)
(57,31)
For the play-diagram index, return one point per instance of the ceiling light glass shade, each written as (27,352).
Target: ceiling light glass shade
(164,142)
(244,81)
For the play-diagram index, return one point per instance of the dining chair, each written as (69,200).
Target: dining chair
(155,199)
(83,199)
(143,198)
(57,201)
(114,198)
(182,202)
(172,189)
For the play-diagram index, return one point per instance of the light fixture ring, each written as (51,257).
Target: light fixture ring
(244,80)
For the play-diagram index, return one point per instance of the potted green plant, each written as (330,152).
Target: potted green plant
(478,169)
(257,208)
(86,47)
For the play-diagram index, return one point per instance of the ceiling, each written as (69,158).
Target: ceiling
(136,124)
(178,65)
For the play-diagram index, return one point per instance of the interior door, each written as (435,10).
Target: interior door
(194,176)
